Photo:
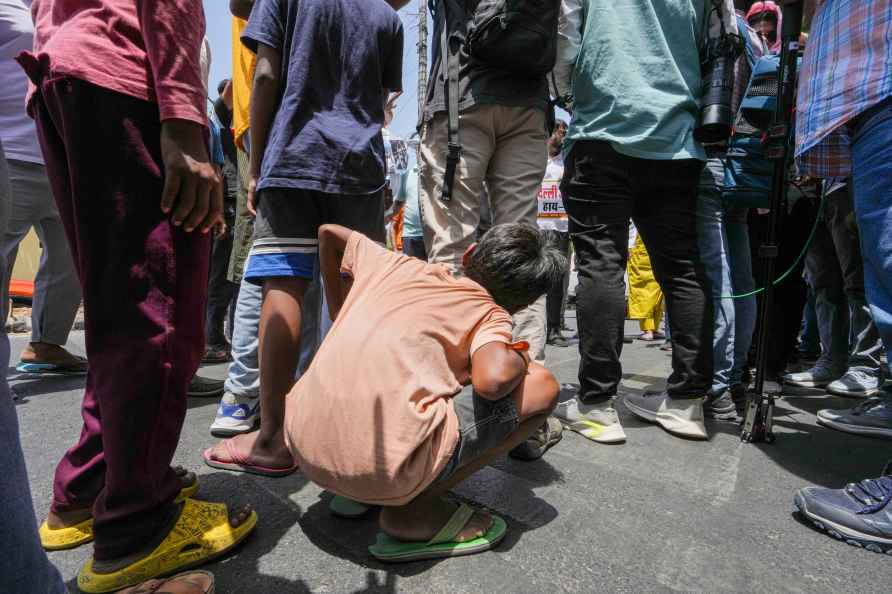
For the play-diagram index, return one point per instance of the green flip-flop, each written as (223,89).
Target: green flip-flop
(347,508)
(391,550)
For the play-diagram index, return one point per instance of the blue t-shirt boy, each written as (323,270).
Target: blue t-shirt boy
(340,59)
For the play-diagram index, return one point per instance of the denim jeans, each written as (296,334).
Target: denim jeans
(725,250)
(834,263)
(26,568)
(244,371)
(872,193)
(602,191)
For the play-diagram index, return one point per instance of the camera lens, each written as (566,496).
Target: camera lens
(715,111)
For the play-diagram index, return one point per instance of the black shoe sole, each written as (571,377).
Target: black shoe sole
(861,543)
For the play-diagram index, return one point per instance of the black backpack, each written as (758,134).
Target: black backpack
(517,36)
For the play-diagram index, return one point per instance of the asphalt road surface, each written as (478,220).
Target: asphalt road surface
(656,514)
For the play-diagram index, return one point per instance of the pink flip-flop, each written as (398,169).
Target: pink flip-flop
(240,464)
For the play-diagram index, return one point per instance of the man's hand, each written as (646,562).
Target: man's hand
(193,192)
(252,195)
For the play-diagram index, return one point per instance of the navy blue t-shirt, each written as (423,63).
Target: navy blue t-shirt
(339,58)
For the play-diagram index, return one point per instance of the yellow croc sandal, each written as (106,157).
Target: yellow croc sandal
(60,539)
(201,533)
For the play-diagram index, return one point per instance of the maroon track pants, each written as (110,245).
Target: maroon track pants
(144,285)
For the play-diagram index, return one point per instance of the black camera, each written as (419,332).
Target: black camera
(718,61)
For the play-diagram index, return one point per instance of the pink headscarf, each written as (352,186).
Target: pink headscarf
(769,6)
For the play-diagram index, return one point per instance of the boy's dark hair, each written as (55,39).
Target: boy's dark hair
(222,85)
(516,264)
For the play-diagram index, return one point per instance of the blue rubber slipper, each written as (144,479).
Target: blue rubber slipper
(49,369)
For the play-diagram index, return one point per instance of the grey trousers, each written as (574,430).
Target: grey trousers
(57,291)
(849,336)
(26,568)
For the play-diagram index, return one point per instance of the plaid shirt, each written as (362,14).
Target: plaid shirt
(847,69)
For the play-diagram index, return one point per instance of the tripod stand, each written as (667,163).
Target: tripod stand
(759,419)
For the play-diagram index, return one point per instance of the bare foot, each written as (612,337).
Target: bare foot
(250,446)
(42,352)
(421,521)
(193,582)
(65,519)
(237,516)
(72,517)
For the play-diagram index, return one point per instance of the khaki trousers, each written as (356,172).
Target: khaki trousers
(503,155)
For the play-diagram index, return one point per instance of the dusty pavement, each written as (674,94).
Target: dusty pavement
(656,514)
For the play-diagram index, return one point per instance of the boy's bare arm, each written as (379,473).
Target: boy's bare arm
(497,369)
(264,100)
(332,243)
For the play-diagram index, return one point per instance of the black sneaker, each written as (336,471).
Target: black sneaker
(860,514)
(550,433)
(555,338)
(720,407)
(204,387)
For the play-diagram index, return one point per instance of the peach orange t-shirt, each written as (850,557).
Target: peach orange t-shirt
(372,418)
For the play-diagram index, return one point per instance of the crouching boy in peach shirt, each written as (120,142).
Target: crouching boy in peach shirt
(418,385)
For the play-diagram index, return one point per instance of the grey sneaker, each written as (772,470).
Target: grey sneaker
(856,383)
(682,416)
(720,407)
(597,422)
(546,436)
(872,417)
(816,377)
(860,514)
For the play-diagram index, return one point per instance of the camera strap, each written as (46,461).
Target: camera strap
(449,58)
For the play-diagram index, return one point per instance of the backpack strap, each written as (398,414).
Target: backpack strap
(449,56)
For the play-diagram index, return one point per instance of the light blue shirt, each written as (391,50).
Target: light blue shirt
(635,74)
(411,214)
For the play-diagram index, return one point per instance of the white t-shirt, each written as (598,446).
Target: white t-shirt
(17,130)
(552,216)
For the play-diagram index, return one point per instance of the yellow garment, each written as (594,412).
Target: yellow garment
(243,61)
(645,295)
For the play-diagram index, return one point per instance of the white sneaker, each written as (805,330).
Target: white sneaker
(816,377)
(235,415)
(597,422)
(856,383)
(682,416)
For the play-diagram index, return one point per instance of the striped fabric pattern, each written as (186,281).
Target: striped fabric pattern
(285,245)
(847,69)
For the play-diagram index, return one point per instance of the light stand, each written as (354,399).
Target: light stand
(758,422)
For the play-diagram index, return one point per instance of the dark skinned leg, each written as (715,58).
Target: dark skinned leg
(279,349)
(423,517)
(72,517)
